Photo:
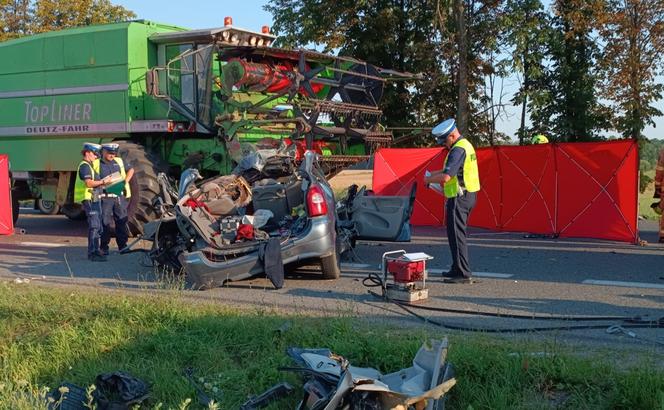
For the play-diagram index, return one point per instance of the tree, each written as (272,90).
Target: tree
(15,18)
(52,15)
(575,112)
(24,17)
(469,32)
(462,74)
(526,32)
(633,31)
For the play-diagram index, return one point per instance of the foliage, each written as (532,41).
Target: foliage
(633,31)
(48,335)
(24,17)
(526,32)
(644,181)
(575,112)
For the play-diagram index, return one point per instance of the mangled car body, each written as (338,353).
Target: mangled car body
(266,214)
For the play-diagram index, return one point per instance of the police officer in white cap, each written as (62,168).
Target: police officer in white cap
(114,199)
(460,180)
(86,192)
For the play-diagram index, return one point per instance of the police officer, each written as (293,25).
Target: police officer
(539,139)
(461,182)
(86,192)
(114,203)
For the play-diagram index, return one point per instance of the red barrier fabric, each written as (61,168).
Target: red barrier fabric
(569,190)
(6,220)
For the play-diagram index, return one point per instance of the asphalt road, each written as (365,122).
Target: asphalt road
(518,275)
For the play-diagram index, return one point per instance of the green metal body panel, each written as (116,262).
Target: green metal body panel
(61,88)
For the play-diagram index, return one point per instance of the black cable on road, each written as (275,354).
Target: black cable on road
(374,280)
(658,324)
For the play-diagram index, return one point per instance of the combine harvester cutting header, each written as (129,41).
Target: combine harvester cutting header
(175,99)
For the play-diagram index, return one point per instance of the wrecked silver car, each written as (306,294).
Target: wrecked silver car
(267,214)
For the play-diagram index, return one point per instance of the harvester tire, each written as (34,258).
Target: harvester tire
(144,185)
(75,212)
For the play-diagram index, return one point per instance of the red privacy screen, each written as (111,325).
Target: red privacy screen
(572,189)
(6,221)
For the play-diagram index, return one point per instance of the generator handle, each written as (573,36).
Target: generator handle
(384,263)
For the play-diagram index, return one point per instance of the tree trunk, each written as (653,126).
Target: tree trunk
(524,104)
(462,44)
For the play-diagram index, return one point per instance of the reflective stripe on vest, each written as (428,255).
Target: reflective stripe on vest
(123,174)
(471,175)
(81,191)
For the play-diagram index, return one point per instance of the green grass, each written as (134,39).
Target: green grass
(50,335)
(646,198)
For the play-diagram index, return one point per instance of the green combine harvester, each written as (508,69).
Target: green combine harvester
(175,99)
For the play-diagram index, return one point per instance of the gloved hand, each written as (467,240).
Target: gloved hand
(656,207)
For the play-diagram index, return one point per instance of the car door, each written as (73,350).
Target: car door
(384,218)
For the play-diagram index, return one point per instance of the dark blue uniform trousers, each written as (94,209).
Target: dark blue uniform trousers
(93,211)
(114,210)
(457,211)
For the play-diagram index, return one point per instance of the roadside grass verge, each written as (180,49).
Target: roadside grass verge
(52,335)
(646,199)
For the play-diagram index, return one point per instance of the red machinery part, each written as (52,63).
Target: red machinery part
(271,78)
(301,147)
(406,271)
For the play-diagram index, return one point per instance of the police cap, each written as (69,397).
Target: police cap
(111,147)
(442,130)
(92,147)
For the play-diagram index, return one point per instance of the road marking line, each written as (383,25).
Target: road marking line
(432,271)
(623,284)
(358,265)
(478,274)
(43,244)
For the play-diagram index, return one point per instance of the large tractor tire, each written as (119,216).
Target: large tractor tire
(144,185)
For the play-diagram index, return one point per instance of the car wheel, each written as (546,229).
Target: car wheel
(48,207)
(329,265)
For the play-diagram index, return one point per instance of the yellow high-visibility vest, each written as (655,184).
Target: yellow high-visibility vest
(81,191)
(471,175)
(127,189)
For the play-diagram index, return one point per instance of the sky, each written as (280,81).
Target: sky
(249,14)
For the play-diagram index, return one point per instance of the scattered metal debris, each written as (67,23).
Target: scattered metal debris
(274,393)
(331,382)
